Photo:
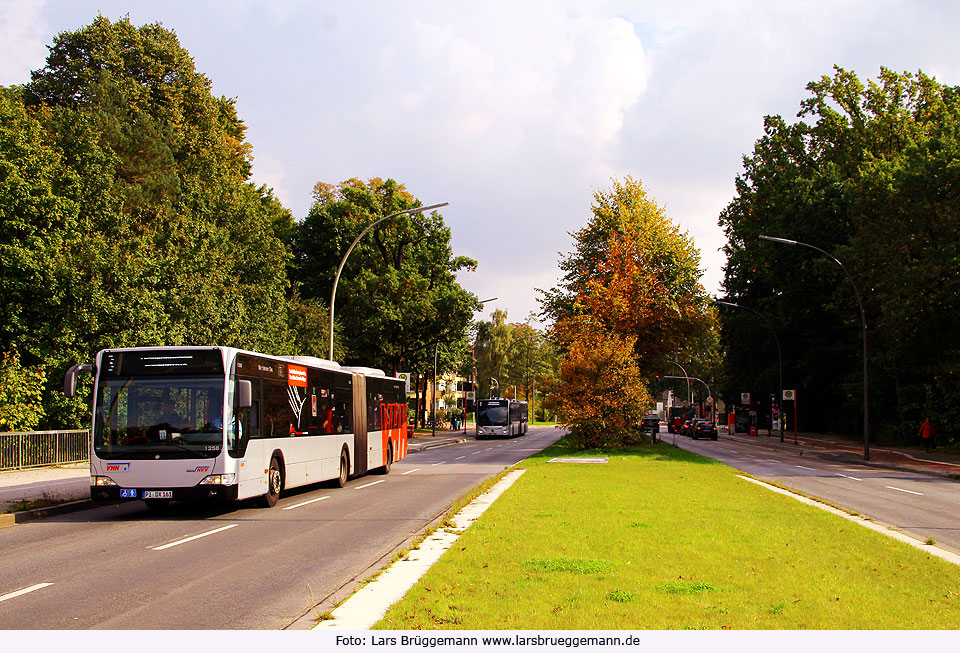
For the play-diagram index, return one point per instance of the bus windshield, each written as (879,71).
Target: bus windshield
(492,416)
(159,417)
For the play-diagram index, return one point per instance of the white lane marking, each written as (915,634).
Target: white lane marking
(307,502)
(25,590)
(195,537)
(802,467)
(440,463)
(459,457)
(478,452)
(852,478)
(900,489)
(410,472)
(368,485)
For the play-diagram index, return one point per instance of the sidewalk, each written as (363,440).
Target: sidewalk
(71,483)
(916,460)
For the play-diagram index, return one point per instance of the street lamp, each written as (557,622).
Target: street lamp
(687,377)
(693,378)
(343,261)
(863,324)
(779,354)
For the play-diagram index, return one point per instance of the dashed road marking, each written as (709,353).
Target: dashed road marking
(194,537)
(25,590)
(307,502)
(900,489)
(368,485)
(410,472)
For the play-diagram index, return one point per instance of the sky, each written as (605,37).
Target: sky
(516,112)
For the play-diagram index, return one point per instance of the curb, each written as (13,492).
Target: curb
(434,445)
(37,514)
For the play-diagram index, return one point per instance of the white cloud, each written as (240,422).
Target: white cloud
(23,38)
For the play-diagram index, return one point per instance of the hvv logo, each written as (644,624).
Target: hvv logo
(118,467)
(199,469)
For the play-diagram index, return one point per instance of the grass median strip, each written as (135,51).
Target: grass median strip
(660,538)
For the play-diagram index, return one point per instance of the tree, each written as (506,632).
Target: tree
(397,298)
(128,203)
(630,300)
(634,273)
(21,394)
(602,393)
(870,176)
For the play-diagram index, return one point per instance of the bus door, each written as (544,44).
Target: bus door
(359,424)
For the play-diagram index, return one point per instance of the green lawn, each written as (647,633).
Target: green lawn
(659,538)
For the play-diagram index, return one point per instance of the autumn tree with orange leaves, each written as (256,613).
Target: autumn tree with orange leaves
(630,300)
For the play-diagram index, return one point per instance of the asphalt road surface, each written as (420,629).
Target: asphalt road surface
(917,504)
(238,567)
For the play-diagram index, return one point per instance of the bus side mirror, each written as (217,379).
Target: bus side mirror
(244,394)
(70,380)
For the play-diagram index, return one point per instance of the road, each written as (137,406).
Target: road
(920,505)
(239,567)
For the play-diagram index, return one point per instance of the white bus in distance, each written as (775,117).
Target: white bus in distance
(189,423)
(501,418)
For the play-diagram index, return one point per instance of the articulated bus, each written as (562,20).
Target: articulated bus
(501,417)
(182,423)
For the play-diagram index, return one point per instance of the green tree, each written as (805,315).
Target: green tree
(131,219)
(869,174)
(21,394)
(397,299)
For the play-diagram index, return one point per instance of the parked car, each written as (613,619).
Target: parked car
(704,429)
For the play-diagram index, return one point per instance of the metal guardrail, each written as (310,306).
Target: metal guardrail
(21,449)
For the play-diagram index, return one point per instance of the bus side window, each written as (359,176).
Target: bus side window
(344,405)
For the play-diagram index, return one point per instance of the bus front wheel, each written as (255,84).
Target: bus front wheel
(274,483)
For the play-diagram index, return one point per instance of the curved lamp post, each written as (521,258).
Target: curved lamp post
(687,377)
(343,261)
(779,354)
(863,323)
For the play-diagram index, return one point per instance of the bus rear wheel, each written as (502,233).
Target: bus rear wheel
(274,484)
(386,468)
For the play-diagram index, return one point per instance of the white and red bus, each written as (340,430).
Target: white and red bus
(183,423)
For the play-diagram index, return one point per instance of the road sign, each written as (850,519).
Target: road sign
(471,395)
(789,395)
(745,398)
(406,379)
(709,401)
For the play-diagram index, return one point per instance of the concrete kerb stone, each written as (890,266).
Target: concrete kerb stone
(371,602)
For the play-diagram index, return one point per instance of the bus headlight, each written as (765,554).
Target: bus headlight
(219,479)
(101,481)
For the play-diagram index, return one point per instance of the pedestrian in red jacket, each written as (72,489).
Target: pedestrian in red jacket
(927,433)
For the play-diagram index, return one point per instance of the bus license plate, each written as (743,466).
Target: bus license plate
(128,494)
(158,494)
